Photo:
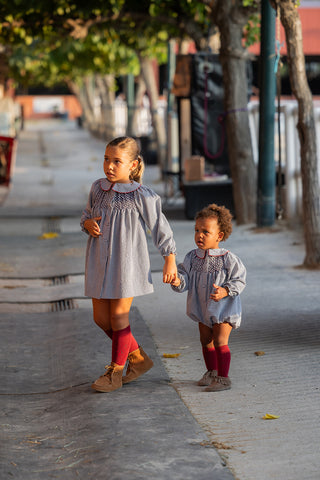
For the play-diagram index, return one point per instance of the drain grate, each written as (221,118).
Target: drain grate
(51,224)
(62,305)
(50,294)
(61,280)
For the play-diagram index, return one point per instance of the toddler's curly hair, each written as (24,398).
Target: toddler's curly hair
(223,216)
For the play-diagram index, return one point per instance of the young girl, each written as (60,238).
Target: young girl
(214,278)
(118,211)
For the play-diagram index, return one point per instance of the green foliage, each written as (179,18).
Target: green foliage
(252,30)
(63,61)
(36,33)
(250,3)
(56,40)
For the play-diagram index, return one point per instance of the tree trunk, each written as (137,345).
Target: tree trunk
(140,91)
(87,99)
(106,88)
(4,69)
(87,108)
(230,21)
(157,121)
(290,20)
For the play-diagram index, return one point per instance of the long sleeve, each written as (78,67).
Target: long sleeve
(87,212)
(149,206)
(183,274)
(236,280)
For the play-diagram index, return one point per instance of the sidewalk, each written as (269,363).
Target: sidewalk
(163,425)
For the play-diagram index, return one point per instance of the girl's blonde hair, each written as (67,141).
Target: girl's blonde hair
(132,148)
(223,216)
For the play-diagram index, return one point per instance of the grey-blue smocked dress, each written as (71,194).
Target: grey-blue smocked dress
(117,262)
(198,272)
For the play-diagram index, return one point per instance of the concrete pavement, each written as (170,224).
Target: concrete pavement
(53,426)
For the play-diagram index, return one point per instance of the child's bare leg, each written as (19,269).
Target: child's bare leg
(119,312)
(206,335)
(221,334)
(102,314)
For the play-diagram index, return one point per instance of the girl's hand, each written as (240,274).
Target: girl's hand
(92,226)
(219,293)
(169,269)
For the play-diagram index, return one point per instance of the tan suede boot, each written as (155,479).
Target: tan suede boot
(219,384)
(139,363)
(207,378)
(111,380)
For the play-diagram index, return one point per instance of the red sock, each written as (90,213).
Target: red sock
(121,340)
(133,344)
(224,359)
(210,358)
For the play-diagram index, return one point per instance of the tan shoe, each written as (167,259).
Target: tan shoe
(139,363)
(207,378)
(110,380)
(219,384)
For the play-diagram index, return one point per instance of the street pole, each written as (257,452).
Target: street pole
(171,67)
(130,102)
(266,204)
(170,73)
(172,166)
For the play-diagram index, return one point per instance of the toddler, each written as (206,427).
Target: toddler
(214,278)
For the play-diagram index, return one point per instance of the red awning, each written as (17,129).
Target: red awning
(310,21)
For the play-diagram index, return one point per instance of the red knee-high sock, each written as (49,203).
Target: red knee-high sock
(210,358)
(224,359)
(133,343)
(121,340)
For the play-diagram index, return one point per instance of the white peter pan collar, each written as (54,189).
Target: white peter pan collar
(119,187)
(212,252)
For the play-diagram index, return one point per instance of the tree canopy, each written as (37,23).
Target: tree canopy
(54,39)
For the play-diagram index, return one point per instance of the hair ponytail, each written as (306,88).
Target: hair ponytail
(137,173)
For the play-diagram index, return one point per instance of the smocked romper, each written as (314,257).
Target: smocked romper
(198,272)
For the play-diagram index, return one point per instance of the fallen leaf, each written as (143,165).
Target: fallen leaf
(48,235)
(259,353)
(270,417)
(221,446)
(171,355)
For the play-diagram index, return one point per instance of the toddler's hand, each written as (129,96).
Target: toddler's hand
(92,226)
(169,277)
(176,282)
(219,293)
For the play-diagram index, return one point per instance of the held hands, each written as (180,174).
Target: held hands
(219,293)
(169,269)
(176,282)
(92,226)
